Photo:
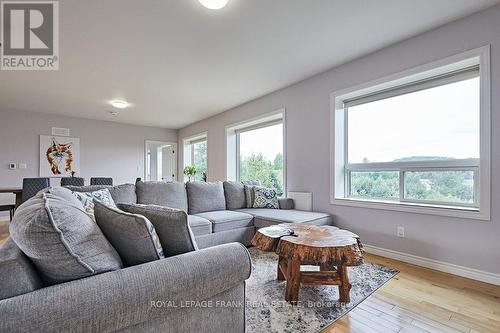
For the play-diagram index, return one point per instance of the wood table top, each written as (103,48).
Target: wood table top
(311,244)
(11,189)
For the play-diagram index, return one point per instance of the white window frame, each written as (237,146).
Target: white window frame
(340,187)
(233,132)
(188,143)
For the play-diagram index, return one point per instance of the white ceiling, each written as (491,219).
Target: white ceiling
(178,62)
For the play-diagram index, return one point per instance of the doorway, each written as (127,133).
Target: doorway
(160,161)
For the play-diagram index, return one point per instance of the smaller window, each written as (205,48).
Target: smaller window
(195,154)
(255,151)
(261,155)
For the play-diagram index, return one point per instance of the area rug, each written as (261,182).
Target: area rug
(267,311)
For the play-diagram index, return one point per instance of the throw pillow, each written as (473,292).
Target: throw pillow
(171,225)
(61,240)
(87,199)
(133,236)
(265,198)
(249,195)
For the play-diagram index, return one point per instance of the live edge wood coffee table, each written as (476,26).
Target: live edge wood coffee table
(330,248)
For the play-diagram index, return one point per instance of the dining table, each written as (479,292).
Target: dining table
(18,191)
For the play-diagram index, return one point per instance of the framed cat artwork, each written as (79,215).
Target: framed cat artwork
(59,156)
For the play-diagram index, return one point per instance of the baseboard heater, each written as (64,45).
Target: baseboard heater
(302,200)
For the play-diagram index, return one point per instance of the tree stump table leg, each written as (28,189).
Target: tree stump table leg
(293,281)
(325,267)
(345,286)
(280,275)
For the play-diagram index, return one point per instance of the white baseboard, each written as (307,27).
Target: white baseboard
(462,271)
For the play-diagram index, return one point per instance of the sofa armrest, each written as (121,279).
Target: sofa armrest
(286,203)
(176,237)
(115,300)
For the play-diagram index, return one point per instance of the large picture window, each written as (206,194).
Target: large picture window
(414,142)
(260,154)
(417,146)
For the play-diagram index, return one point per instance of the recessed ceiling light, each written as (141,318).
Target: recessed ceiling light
(214,4)
(119,104)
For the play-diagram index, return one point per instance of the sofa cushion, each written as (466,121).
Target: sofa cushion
(205,197)
(17,274)
(61,240)
(235,195)
(265,198)
(240,235)
(124,193)
(199,225)
(171,226)
(264,217)
(132,235)
(227,219)
(171,194)
(286,203)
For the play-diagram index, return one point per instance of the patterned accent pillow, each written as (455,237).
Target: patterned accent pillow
(87,198)
(265,198)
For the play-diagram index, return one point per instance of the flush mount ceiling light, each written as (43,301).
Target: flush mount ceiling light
(214,4)
(119,104)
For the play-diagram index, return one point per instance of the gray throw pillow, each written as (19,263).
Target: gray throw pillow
(265,198)
(171,226)
(252,182)
(132,235)
(61,240)
(205,197)
(249,195)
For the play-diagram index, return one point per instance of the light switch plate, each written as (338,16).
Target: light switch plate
(23,165)
(12,166)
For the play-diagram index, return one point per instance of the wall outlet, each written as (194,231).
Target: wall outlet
(23,166)
(401,231)
(12,166)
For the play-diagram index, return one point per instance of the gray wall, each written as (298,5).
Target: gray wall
(470,243)
(107,149)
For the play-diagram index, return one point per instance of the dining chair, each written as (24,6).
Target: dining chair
(72,181)
(32,186)
(9,208)
(101,181)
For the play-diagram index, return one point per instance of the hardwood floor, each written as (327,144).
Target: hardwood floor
(424,300)
(4,231)
(416,300)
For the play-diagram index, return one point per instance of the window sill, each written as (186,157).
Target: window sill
(460,212)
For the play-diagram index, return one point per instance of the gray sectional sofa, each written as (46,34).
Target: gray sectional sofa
(148,297)
(216,212)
